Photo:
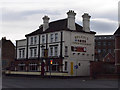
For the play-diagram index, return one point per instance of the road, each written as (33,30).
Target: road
(27,82)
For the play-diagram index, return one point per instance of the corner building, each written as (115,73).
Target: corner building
(69,45)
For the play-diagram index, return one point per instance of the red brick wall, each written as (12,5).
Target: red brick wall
(8,52)
(97,68)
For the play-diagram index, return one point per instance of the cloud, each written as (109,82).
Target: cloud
(21,17)
(103,25)
(10,15)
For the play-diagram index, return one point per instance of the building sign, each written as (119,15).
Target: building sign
(81,40)
(78,49)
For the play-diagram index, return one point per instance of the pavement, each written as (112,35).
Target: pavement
(32,82)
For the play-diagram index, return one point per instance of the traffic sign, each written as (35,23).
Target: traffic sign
(76,66)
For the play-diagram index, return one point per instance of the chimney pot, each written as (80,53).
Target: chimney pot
(71,20)
(86,22)
(45,22)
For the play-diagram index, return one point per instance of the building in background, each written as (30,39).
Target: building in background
(67,44)
(7,52)
(104,47)
(117,49)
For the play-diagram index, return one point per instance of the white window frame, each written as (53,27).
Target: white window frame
(43,38)
(51,38)
(56,37)
(42,53)
(31,40)
(35,40)
(51,51)
(56,50)
(66,50)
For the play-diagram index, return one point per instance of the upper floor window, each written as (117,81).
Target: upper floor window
(43,39)
(56,37)
(99,37)
(51,37)
(42,53)
(51,51)
(99,50)
(109,43)
(56,51)
(66,51)
(22,53)
(35,40)
(31,40)
(109,50)
(31,52)
(104,43)
(99,43)
(35,52)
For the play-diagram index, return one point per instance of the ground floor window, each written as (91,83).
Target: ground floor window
(55,67)
(33,67)
(65,65)
(21,66)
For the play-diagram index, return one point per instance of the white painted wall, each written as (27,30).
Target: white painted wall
(21,44)
(84,60)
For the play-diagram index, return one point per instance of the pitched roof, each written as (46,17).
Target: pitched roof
(117,32)
(58,26)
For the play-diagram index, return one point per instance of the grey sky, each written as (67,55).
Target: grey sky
(20,17)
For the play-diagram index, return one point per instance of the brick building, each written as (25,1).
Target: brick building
(7,51)
(104,47)
(117,50)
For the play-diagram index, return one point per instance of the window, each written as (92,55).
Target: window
(109,43)
(99,51)
(43,39)
(20,54)
(51,37)
(33,66)
(56,37)
(21,66)
(31,40)
(51,51)
(104,43)
(42,52)
(56,51)
(31,53)
(65,65)
(99,43)
(99,37)
(105,37)
(104,50)
(35,40)
(23,53)
(66,51)
(35,52)
(109,50)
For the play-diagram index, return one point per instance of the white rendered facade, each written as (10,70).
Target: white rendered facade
(73,48)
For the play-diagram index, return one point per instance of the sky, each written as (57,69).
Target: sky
(20,17)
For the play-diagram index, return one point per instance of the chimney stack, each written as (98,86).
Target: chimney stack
(71,20)
(45,22)
(86,22)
